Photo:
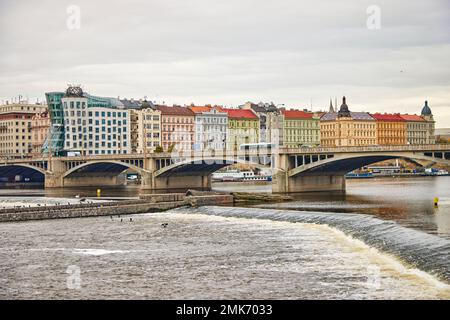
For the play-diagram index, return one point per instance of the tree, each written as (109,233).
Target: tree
(159,149)
(171,147)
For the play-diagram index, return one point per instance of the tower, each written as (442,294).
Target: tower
(426,112)
(343,111)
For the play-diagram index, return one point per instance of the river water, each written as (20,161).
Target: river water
(383,239)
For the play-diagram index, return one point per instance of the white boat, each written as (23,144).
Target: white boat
(236,175)
(229,175)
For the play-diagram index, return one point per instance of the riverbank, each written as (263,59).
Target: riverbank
(146,204)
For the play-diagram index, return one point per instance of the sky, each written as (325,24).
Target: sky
(292,52)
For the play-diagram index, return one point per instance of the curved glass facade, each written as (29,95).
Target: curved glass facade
(55,140)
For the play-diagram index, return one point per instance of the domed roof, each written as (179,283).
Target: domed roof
(426,111)
(343,111)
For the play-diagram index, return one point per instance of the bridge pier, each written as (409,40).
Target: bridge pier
(308,183)
(54,177)
(283,182)
(180,183)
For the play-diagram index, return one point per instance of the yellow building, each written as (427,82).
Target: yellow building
(15,128)
(243,127)
(145,130)
(345,128)
(391,129)
(300,128)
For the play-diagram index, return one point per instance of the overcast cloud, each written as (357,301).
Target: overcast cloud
(229,52)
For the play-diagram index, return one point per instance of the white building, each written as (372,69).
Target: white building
(95,125)
(211,125)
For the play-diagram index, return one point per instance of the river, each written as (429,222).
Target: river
(383,239)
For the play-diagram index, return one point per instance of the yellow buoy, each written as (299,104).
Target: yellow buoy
(436,201)
(99,192)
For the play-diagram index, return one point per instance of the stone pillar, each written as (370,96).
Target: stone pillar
(280,174)
(182,183)
(313,183)
(54,177)
(147,181)
(206,182)
(147,176)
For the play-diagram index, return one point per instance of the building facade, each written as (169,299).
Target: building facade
(86,124)
(427,115)
(270,121)
(416,129)
(211,125)
(243,128)
(145,130)
(177,128)
(391,129)
(40,128)
(300,128)
(15,129)
(345,128)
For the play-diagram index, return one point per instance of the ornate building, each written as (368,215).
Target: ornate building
(428,117)
(15,128)
(145,129)
(177,127)
(211,125)
(40,126)
(391,129)
(300,128)
(416,129)
(345,128)
(243,127)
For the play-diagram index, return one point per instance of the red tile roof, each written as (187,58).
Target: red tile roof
(387,117)
(200,109)
(175,110)
(412,117)
(297,114)
(240,113)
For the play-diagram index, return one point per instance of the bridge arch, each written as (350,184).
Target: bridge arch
(343,164)
(203,166)
(9,172)
(103,167)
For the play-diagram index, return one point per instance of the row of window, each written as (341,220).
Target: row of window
(209,120)
(9,138)
(97,129)
(91,144)
(79,121)
(97,137)
(178,120)
(97,114)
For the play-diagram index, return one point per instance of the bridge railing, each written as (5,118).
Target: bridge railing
(240,153)
(413,148)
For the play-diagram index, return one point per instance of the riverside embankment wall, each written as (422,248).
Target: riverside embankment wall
(152,203)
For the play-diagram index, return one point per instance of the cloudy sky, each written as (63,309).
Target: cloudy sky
(227,52)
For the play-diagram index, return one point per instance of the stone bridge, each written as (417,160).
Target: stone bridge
(294,170)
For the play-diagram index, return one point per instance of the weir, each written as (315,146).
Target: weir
(418,249)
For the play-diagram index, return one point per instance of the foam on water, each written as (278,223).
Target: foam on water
(417,249)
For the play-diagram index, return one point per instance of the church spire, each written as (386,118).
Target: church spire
(331,110)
